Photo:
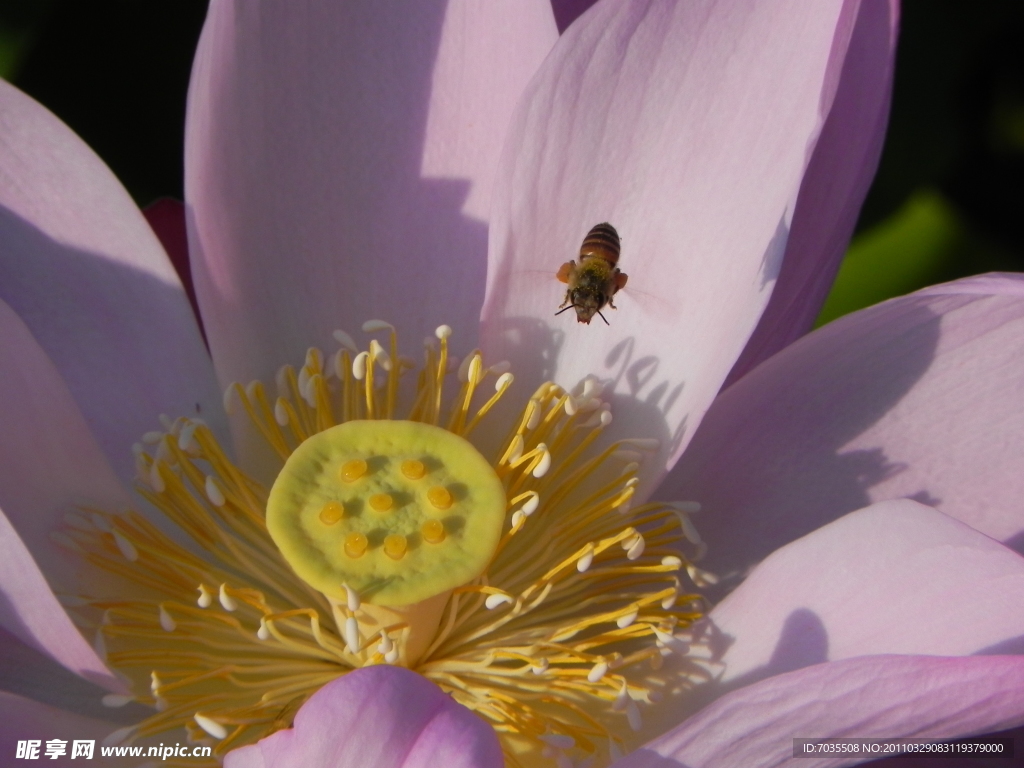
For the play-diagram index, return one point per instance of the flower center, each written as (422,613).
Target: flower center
(396,511)
(526,585)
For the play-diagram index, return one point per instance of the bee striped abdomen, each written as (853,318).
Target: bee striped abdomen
(601,241)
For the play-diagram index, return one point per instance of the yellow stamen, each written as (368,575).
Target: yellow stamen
(554,636)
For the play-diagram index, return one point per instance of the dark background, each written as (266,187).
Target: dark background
(948,200)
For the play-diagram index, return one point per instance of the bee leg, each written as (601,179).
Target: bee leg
(568,299)
(565,270)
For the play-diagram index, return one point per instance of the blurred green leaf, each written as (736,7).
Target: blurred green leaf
(914,247)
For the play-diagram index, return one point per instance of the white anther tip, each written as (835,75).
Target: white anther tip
(493,601)
(214,493)
(671,561)
(443,331)
(352,634)
(585,561)
(534,418)
(558,740)
(114,700)
(391,656)
(571,406)
(636,549)
(539,667)
(503,381)
(212,727)
(516,449)
(263,633)
(518,518)
(205,598)
(127,548)
(345,340)
(156,481)
(531,505)
(501,368)
(166,621)
(624,621)
(544,464)
(280,413)
(100,522)
(119,736)
(372,326)
(359,366)
(598,671)
(689,507)
(352,599)
(227,602)
(185,441)
(606,418)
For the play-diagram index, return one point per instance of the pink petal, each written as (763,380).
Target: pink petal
(688,127)
(49,461)
(27,671)
(23,719)
(30,612)
(896,577)
(339,160)
(869,697)
(377,717)
(834,186)
(85,273)
(920,396)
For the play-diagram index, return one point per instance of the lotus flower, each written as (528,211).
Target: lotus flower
(434,164)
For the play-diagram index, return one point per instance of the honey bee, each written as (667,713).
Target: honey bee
(593,281)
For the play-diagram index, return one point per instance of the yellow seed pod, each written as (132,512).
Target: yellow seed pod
(406,555)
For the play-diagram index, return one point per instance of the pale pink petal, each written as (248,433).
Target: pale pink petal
(896,577)
(27,671)
(339,159)
(83,270)
(877,697)
(922,396)
(49,461)
(30,612)
(23,719)
(834,186)
(377,717)
(688,127)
